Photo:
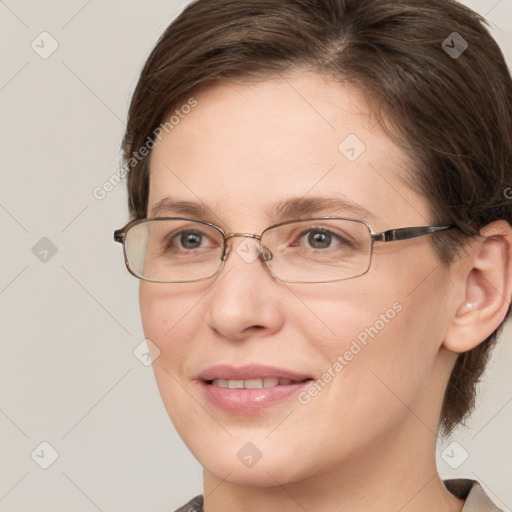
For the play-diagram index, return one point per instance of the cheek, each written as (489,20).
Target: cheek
(169,319)
(383,342)
(341,315)
(375,376)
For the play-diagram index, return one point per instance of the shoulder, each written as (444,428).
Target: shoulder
(476,498)
(194,505)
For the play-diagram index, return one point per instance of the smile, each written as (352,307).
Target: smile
(267,382)
(250,389)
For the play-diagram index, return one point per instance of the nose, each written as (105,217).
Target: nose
(245,300)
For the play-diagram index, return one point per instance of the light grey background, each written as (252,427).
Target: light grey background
(69,326)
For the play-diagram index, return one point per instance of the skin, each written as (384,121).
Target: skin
(366,441)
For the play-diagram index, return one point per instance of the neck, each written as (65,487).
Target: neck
(391,474)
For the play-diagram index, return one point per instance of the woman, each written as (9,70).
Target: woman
(327,260)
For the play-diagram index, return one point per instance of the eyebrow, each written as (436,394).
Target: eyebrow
(170,205)
(286,209)
(296,207)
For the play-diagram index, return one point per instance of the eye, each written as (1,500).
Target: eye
(190,239)
(186,239)
(321,238)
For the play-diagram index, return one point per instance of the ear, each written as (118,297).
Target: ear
(483,299)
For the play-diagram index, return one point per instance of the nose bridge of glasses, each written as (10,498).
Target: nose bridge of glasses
(264,251)
(249,235)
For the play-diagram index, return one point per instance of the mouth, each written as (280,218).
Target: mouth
(266,382)
(250,389)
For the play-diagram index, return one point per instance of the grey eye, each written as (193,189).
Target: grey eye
(190,239)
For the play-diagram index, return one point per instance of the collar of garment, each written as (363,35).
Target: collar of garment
(476,499)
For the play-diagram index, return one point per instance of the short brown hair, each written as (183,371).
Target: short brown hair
(451,113)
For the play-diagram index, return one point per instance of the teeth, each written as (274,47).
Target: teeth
(253,383)
(270,382)
(235,384)
(267,382)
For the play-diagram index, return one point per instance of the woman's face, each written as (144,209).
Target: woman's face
(374,342)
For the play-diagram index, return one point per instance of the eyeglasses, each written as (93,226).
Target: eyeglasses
(317,250)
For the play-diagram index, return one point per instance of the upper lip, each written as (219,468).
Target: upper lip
(247,372)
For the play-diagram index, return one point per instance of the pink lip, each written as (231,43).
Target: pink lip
(249,401)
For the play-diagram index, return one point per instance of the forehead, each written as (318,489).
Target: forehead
(245,147)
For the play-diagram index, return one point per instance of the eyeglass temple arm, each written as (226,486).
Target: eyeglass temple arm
(407,233)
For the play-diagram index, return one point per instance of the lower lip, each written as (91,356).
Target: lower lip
(250,401)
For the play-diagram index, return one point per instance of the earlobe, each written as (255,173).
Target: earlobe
(486,289)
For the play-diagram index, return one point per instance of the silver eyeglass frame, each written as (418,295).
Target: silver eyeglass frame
(390,235)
